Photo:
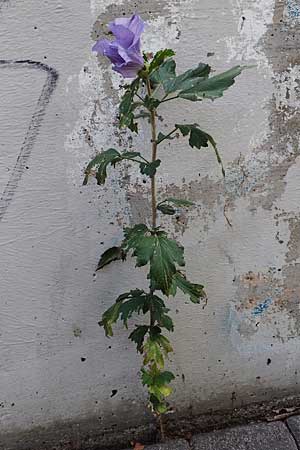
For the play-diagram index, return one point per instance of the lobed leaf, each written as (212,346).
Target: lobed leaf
(178,201)
(159,58)
(151,103)
(188,79)
(155,349)
(213,87)
(158,406)
(127,107)
(199,138)
(110,255)
(156,248)
(150,169)
(138,336)
(163,74)
(136,300)
(99,165)
(166,209)
(194,291)
(166,254)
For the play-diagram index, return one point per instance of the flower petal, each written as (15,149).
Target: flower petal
(131,56)
(137,26)
(125,21)
(123,35)
(101,46)
(127,70)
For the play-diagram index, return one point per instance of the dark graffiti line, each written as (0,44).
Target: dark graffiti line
(33,129)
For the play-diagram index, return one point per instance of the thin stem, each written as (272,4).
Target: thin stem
(140,97)
(154,156)
(168,99)
(161,426)
(166,136)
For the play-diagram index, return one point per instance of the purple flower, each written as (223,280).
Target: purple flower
(125,51)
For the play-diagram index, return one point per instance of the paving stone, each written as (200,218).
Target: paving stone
(274,436)
(294,426)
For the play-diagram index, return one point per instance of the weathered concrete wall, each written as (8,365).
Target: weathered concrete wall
(242,240)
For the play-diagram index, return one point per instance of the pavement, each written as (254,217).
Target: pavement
(258,436)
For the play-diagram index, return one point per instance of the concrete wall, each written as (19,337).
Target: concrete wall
(59,107)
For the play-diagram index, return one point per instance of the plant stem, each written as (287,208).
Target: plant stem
(166,136)
(154,155)
(165,99)
(161,426)
(153,184)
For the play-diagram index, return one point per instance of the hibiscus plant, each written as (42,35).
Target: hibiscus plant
(155,82)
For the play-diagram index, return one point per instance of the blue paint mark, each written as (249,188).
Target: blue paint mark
(262,307)
(293,8)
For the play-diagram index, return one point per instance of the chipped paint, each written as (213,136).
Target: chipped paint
(262,307)
(293,9)
(253,19)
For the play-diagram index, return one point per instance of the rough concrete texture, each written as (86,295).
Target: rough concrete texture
(274,436)
(294,426)
(242,240)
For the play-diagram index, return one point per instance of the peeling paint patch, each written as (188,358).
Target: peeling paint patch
(262,307)
(294,242)
(293,9)
(254,17)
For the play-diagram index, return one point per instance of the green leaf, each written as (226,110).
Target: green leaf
(163,74)
(141,241)
(99,165)
(160,57)
(128,106)
(138,336)
(164,378)
(150,169)
(188,79)
(158,406)
(110,255)
(163,320)
(155,349)
(156,248)
(199,138)
(166,254)
(166,209)
(194,291)
(147,377)
(164,343)
(151,103)
(130,155)
(157,383)
(136,301)
(180,202)
(159,312)
(213,87)
(110,317)
(153,353)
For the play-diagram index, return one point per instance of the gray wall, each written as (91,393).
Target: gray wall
(55,363)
